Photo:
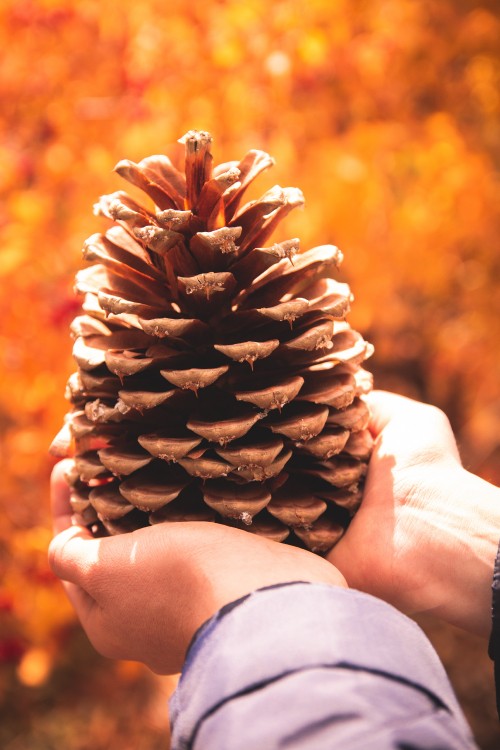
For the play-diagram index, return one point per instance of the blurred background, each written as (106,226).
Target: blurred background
(386,113)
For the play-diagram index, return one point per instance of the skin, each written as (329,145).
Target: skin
(425,539)
(426,535)
(142,596)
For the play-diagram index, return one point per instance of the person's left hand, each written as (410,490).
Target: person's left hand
(142,596)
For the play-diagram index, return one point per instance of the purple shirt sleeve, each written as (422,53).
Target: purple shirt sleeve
(494,643)
(311,666)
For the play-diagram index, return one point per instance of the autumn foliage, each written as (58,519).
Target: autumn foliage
(386,113)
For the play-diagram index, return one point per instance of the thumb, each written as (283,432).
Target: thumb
(73,551)
(68,550)
(72,554)
(59,496)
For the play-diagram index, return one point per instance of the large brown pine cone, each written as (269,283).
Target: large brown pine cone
(217,378)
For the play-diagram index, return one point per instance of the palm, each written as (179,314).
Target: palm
(386,549)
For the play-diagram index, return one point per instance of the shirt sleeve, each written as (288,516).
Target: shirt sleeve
(312,667)
(494,643)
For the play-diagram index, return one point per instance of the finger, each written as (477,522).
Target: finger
(59,496)
(72,553)
(386,407)
(409,426)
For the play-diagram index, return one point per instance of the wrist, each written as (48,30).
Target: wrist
(227,564)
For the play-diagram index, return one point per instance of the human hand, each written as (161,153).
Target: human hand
(142,596)
(426,535)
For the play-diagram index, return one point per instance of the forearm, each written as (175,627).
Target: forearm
(313,666)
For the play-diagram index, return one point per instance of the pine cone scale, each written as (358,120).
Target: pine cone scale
(217,378)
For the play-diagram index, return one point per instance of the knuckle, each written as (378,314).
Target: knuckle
(436,414)
(58,559)
(67,561)
(434,425)
(54,553)
(100,643)
(106,642)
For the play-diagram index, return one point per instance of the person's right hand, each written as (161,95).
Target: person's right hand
(426,535)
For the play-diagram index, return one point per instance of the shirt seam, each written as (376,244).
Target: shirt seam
(253,687)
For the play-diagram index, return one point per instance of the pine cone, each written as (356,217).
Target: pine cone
(217,378)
